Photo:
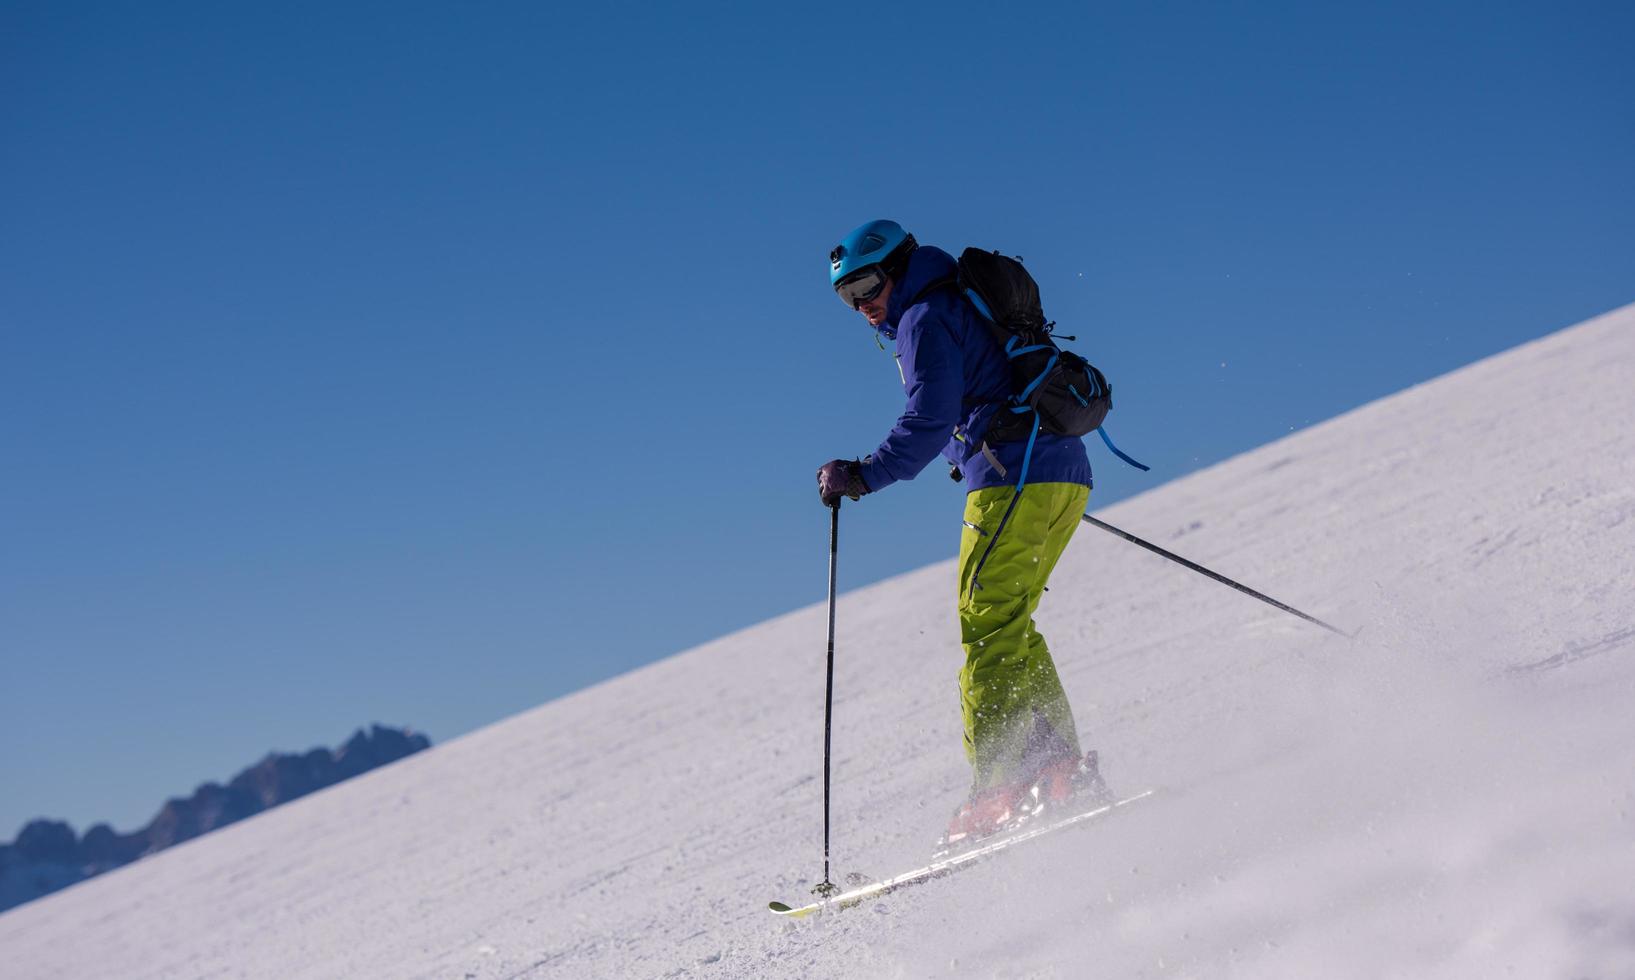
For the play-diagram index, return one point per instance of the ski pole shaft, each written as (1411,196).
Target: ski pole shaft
(829,688)
(1201,570)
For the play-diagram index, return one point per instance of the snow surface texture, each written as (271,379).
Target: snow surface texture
(1448,796)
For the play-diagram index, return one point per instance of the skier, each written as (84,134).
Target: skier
(1020,737)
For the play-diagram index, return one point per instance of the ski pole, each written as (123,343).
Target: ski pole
(828,887)
(1172,556)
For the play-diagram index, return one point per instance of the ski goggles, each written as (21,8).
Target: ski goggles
(861,286)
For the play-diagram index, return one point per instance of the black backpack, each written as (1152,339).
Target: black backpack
(1064,392)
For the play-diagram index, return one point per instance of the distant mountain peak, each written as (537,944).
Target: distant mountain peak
(47,855)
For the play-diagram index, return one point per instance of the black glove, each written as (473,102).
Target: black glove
(840,477)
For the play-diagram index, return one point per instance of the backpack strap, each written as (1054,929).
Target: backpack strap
(1115,450)
(993,459)
(1021,485)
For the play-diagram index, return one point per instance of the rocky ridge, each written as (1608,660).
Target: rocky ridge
(47,855)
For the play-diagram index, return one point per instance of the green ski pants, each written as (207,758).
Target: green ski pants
(1008,687)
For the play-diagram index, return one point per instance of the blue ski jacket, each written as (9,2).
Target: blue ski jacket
(956,376)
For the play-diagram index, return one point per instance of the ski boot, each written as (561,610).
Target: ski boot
(1071,785)
(999,810)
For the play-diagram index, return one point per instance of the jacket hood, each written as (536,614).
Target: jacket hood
(926,265)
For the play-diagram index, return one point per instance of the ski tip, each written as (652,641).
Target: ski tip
(792,912)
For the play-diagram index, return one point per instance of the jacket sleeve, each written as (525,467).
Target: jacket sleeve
(934,376)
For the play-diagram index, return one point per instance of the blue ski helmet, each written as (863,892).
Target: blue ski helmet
(880,242)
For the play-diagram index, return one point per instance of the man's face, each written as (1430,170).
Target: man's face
(874,310)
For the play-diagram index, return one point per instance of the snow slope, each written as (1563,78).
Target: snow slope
(1448,796)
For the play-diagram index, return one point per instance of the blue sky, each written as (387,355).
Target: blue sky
(420,363)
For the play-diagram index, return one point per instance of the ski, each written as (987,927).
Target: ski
(948,865)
